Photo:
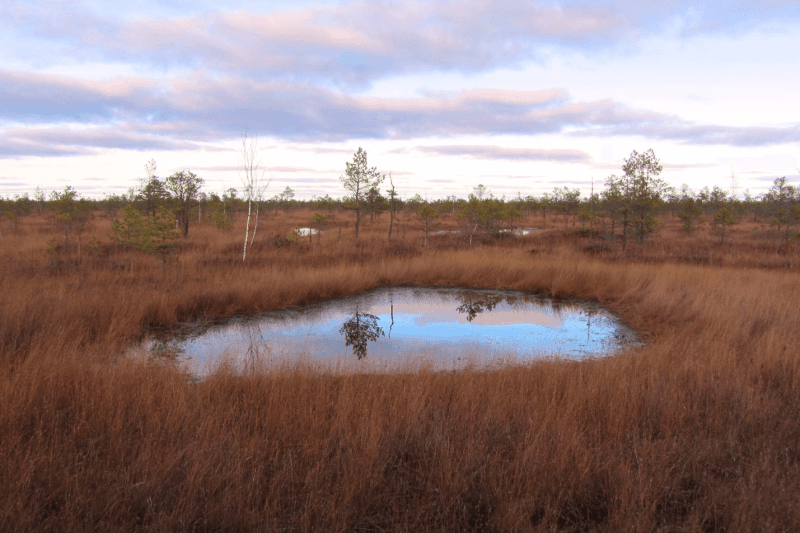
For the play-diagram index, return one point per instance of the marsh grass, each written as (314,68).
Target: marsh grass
(698,430)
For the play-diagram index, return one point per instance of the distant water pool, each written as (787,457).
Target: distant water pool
(449,327)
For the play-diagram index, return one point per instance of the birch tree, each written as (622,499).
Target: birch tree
(252,176)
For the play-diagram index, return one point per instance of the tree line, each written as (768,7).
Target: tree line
(155,213)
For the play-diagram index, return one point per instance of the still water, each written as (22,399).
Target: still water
(450,327)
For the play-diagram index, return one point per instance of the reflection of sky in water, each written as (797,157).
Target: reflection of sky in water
(422,319)
(516,231)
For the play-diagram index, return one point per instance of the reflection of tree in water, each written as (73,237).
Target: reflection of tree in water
(360,329)
(474,303)
(255,342)
(167,348)
(391,313)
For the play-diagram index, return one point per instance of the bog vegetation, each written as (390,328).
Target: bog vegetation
(696,431)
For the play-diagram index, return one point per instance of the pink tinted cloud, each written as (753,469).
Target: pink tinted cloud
(538,18)
(205,108)
(62,140)
(354,42)
(516,154)
(107,88)
(515,97)
(300,27)
(700,134)
(46,97)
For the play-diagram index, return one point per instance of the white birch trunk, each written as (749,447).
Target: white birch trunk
(255,227)
(247,229)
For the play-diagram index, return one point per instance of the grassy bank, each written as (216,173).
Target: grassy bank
(696,431)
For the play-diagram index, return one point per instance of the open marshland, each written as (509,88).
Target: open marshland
(696,430)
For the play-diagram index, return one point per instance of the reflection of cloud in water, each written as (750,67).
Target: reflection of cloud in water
(429,314)
(421,320)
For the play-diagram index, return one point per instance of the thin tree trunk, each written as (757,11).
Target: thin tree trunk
(392,206)
(358,209)
(247,229)
(624,232)
(255,227)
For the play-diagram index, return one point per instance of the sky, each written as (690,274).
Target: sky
(520,96)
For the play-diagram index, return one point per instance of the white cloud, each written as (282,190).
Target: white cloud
(507,85)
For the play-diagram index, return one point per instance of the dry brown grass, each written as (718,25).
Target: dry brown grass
(697,431)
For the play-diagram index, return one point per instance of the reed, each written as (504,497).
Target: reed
(695,431)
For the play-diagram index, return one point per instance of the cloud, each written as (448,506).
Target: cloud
(319,150)
(330,179)
(290,169)
(78,117)
(351,43)
(41,98)
(760,162)
(66,141)
(514,177)
(688,166)
(354,43)
(700,134)
(200,108)
(218,168)
(516,154)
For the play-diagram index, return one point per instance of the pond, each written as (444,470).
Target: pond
(519,232)
(446,327)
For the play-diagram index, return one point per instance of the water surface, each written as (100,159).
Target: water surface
(451,327)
